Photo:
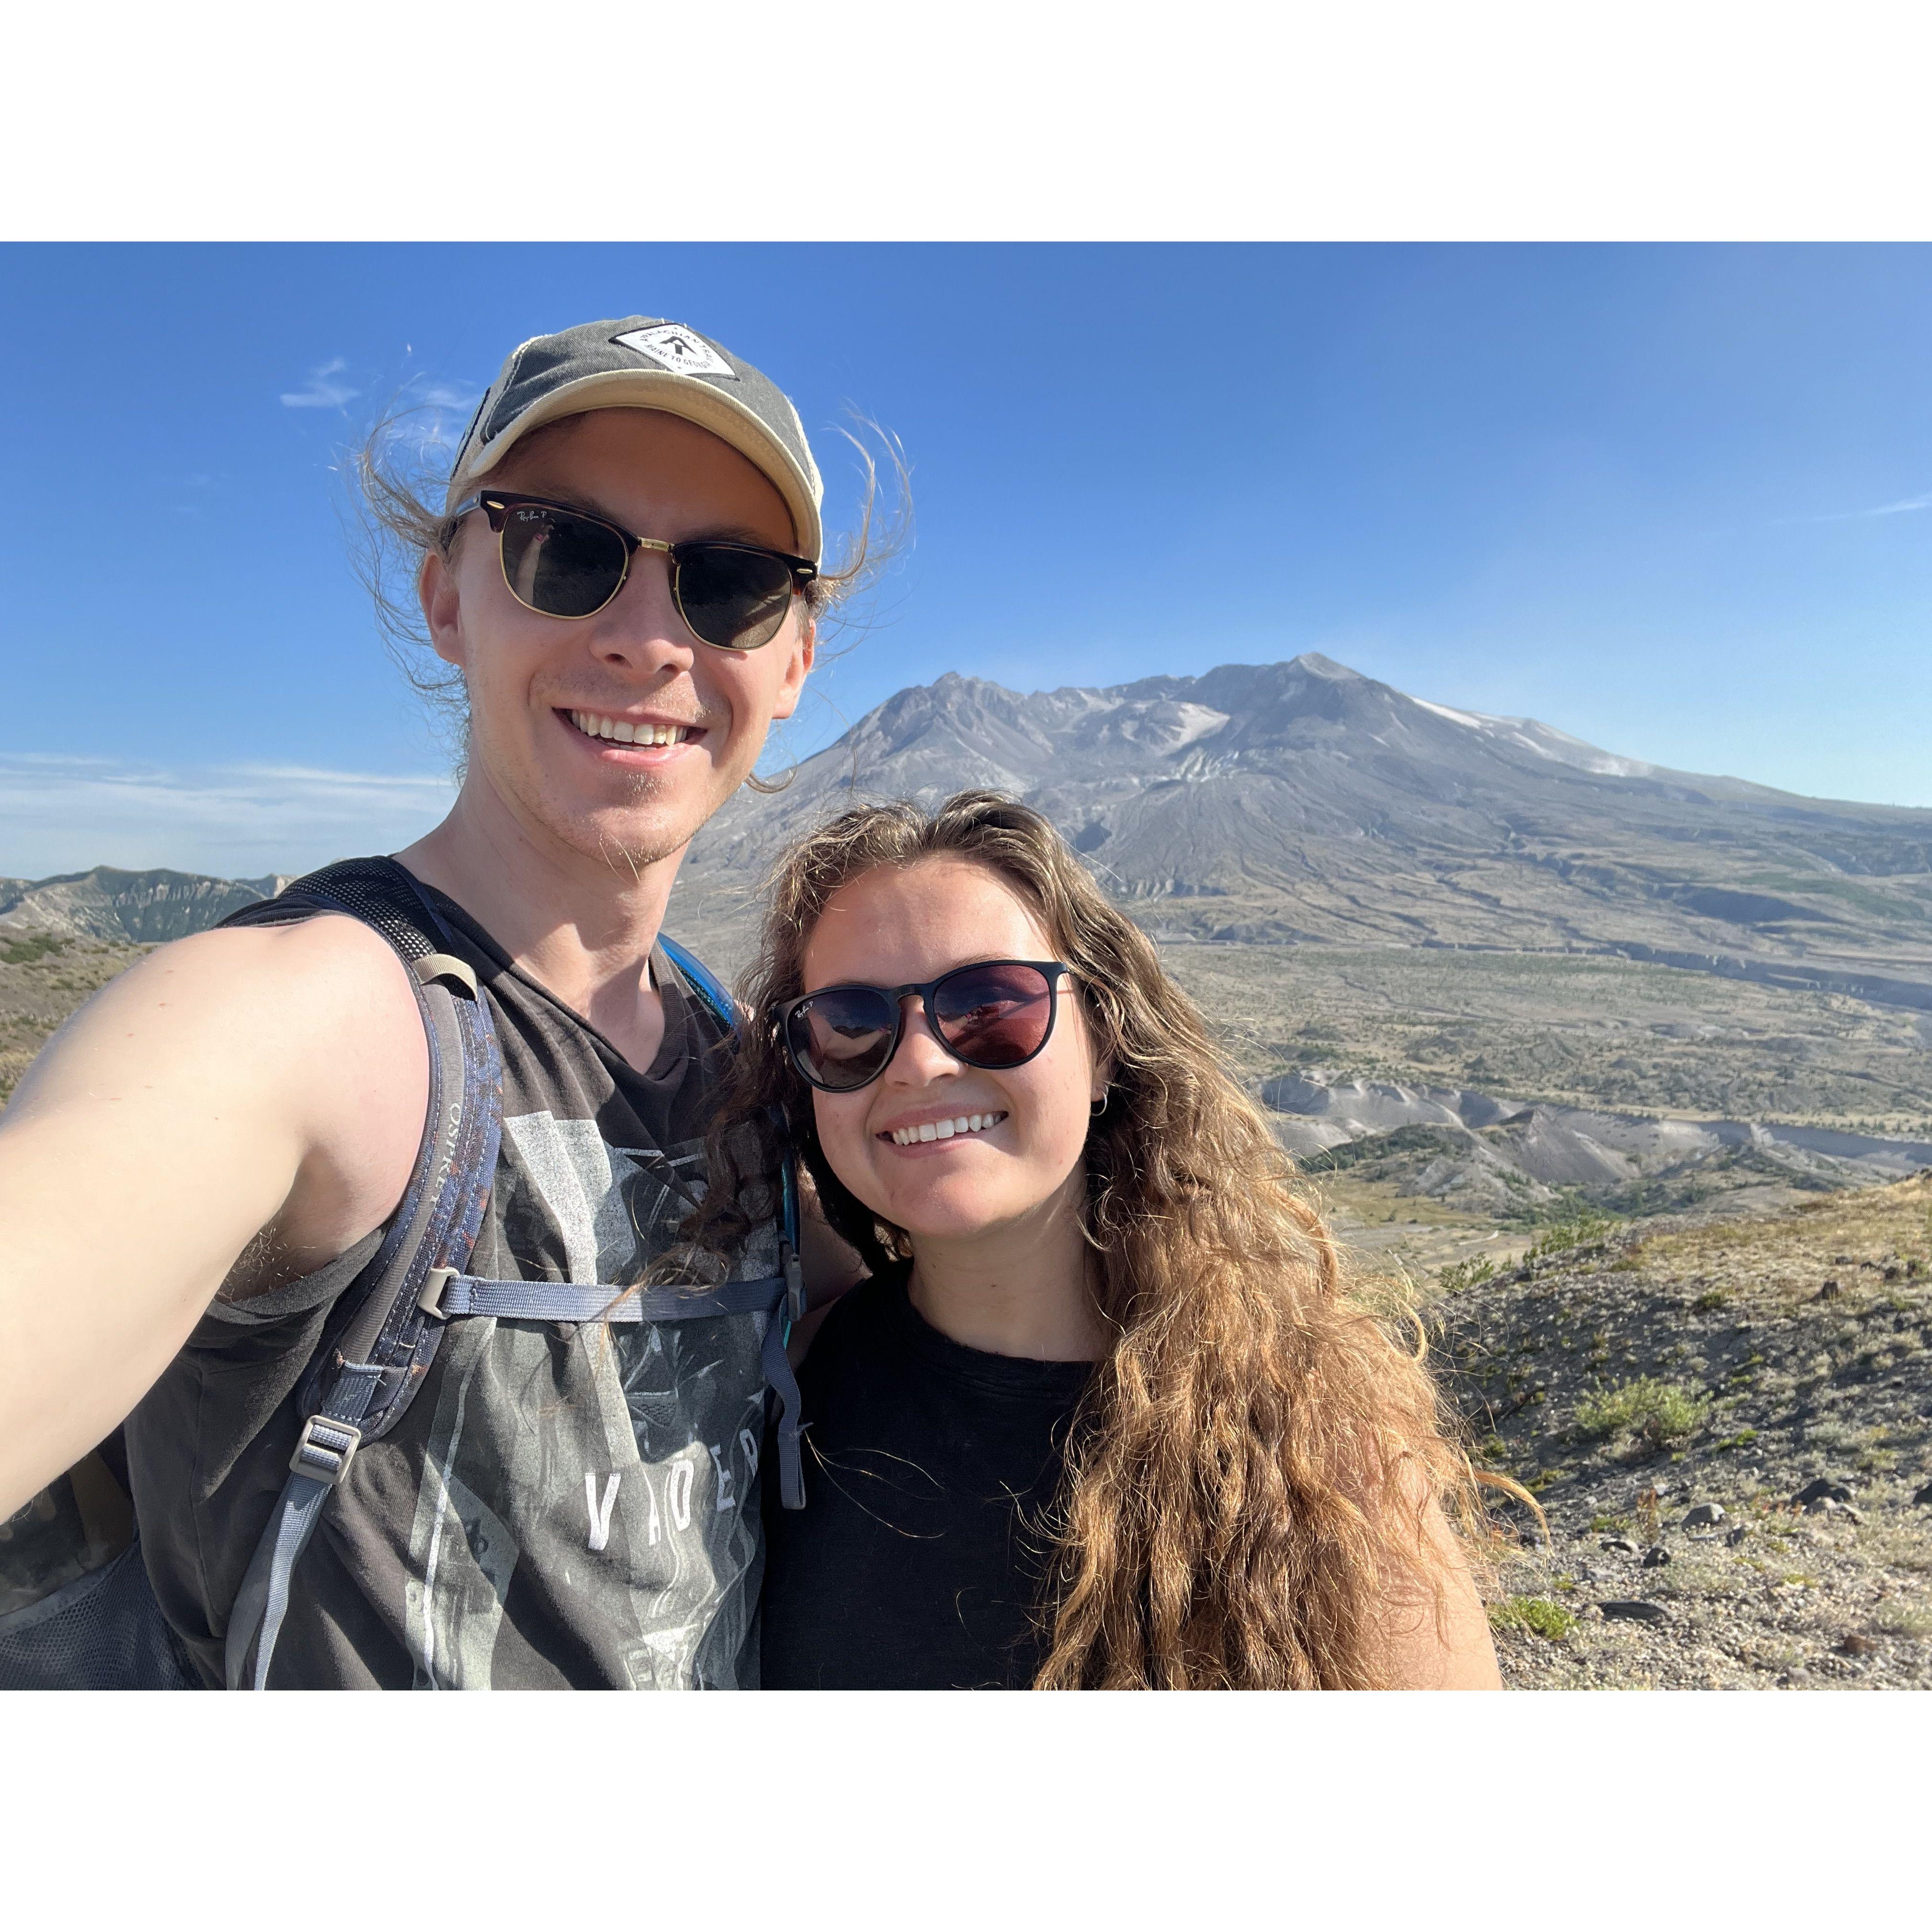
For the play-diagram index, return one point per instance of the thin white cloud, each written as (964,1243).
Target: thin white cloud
(66,814)
(1897,509)
(449,396)
(323,391)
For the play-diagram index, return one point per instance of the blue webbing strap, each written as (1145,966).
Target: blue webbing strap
(777,1366)
(448,1295)
(328,1440)
(595,1301)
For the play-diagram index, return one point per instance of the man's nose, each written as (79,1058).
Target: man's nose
(642,623)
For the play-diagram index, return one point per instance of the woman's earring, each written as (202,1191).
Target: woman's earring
(1096,1108)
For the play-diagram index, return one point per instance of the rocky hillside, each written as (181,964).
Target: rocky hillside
(1497,1160)
(42,980)
(1302,801)
(117,907)
(1728,1428)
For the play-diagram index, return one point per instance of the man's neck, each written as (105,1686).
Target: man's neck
(582,928)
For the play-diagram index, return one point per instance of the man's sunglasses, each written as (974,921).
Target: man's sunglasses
(564,562)
(996,1015)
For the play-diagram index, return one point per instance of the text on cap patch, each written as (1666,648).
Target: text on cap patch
(671,345)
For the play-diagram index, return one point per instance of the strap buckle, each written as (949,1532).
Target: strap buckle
(324,1449)
(430,1300)
(794,1280)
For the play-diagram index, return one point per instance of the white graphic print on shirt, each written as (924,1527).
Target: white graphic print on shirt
(627,1489)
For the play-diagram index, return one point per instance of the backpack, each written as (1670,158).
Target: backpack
(105,1630)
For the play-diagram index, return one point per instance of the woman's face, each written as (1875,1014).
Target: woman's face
(892,927)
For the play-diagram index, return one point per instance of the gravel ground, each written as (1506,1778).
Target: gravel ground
(1639,1385)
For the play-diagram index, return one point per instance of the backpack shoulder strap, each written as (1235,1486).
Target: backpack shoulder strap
(377,1348)
(711,990)
(777,1363)
(704,982)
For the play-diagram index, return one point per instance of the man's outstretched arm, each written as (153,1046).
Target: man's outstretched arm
(267,1083)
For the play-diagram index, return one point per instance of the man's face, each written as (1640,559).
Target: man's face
(634,661)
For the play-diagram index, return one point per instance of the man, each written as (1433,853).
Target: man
(207,1155)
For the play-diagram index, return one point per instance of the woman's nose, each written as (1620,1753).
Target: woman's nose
(919,1057)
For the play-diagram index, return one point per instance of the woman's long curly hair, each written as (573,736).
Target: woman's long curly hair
(1255,1466)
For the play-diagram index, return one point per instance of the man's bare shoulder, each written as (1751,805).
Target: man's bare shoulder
(320,983)
(303,1039)
(245,1091)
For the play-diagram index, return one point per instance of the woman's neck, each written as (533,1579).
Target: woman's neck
(1021,1290)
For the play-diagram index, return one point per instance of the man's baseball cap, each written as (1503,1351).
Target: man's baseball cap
(643,362)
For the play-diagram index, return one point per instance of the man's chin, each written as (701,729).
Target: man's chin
(627,844)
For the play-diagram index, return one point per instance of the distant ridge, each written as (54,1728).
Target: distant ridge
(1302,801)
(143,907)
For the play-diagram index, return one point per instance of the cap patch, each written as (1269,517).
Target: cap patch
(671,345)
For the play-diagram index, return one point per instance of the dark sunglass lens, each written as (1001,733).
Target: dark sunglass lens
(732,597)
(563,566)
(843,1037)
(994,1015)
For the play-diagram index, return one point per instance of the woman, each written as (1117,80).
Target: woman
(1105,1415)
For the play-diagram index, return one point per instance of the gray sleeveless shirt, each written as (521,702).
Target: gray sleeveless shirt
(561,1505)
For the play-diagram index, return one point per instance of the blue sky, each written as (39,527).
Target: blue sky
(1676,500)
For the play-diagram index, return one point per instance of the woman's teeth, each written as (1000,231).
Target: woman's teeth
(617,729)
(944,1130)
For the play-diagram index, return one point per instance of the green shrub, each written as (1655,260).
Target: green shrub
(1902,1620)
(36,946)
(1471,1273)
(1549,1620)
(1664,1411)
(1586,1230)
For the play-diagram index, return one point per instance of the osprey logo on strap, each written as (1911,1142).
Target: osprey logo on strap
(672,346)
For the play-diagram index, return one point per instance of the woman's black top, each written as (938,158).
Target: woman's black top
(930,1468)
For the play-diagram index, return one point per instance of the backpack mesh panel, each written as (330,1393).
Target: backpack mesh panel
(104,1631)
(377,891)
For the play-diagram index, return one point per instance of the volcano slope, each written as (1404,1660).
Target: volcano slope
(1299,802)
(1729,1427)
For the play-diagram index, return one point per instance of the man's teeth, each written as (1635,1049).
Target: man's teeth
(944,1130)
(623,732)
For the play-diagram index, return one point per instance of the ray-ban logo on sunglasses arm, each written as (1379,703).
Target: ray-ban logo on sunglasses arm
(671,345)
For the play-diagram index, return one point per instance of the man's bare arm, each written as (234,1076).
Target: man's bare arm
(258,1082)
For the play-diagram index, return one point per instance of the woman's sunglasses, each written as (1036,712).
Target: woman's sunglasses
(565,563)
(996,1016)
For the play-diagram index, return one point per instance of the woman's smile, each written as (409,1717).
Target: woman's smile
(912,1136)
(947,1151)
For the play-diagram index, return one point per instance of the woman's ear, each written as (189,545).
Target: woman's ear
(1103,1078)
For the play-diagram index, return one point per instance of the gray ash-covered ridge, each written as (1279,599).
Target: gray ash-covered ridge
(1302,801)
(107,904)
